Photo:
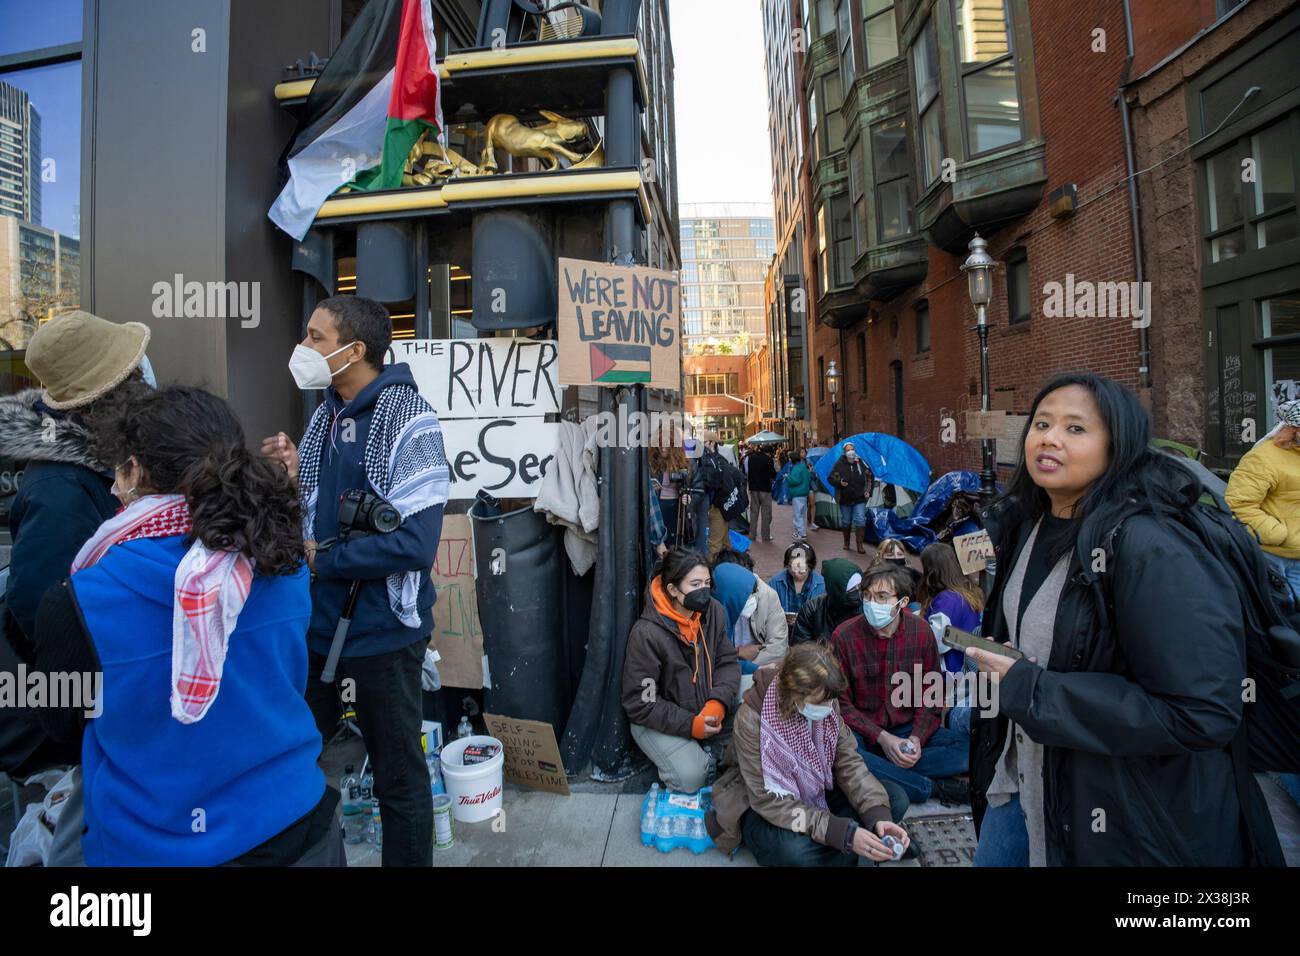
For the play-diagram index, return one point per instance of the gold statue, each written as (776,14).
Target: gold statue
(439,162)
(545,142)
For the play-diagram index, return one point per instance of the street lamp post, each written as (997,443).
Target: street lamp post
(791,414)
(833,386)
(979,274)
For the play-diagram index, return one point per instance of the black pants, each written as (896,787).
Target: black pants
(388,707)
(777,846)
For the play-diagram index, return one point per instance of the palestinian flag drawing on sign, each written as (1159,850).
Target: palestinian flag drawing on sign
(620,364)
(377,95)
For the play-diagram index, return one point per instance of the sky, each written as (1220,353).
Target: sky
(723,151)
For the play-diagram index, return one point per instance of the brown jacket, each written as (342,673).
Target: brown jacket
(658,690)
(740,787)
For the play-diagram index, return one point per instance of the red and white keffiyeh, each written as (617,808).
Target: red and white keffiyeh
(210,591)
(797,754)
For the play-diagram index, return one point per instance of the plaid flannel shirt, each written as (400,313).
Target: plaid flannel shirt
(869,662)
(658,530)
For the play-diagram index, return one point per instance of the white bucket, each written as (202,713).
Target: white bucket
(475,790)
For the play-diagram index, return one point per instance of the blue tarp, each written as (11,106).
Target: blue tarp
(891,460)
(915,531)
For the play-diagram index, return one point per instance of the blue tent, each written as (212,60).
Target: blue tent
(891,459)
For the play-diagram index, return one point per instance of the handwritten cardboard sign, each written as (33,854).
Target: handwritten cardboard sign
(619,325)
(532,755)
(483,378)
(973,550)
(506,457)
(991,424)
(457,632)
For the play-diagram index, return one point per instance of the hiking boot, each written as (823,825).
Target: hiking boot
(952,791)
(861,536)
(848,544)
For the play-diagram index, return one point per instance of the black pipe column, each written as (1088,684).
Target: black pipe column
(597,727)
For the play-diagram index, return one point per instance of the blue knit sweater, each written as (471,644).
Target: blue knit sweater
(162,793)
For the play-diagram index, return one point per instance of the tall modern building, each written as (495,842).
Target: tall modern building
(726,248)
(20,155)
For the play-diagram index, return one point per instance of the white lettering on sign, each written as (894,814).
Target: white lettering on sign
(506,457)
(483,378)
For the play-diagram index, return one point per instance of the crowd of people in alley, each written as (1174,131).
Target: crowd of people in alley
(204,574)
(1117,736)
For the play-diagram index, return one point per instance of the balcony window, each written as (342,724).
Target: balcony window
(842,215)
(893,188)
(992,99)
(847,68)
(857,176)
(925,70)
(1018,307)
(879,31)
(822,249)
(832,100)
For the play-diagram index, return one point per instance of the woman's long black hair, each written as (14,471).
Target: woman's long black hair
(1136,473)
(189,442)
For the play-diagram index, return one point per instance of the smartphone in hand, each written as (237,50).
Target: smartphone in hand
(959,640)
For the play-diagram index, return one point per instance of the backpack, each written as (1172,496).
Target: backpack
(731,499)
(1272,615)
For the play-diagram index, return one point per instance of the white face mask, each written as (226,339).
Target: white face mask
(750,606)
(816,711)
(310,369)
(879,615)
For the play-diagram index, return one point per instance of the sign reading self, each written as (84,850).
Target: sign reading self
(619,325)
(532,755)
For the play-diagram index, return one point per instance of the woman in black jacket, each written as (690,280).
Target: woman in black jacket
(1111,742)
(821,615)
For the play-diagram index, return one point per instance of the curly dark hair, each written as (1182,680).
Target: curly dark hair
(108,407)
(189,442)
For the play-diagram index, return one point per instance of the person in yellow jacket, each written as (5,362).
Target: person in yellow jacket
(1264,492)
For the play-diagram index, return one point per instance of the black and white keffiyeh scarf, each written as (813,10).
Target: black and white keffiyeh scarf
(405,464)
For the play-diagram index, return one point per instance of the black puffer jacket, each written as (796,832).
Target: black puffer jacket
(1135,711)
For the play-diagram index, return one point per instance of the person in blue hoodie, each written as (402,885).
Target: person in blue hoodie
(188,610)
(373,433)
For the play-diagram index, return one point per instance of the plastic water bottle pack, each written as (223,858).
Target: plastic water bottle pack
(670,820)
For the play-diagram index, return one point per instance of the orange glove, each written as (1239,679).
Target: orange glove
(713,708)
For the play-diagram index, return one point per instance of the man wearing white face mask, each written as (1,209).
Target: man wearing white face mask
(373,433)
(899,728)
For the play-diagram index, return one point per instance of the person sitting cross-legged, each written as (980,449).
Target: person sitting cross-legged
(906,744)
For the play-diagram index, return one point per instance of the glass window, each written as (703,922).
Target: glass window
(893,187)
(821,380)
(26,26)
(1280,316)
(1018,307)
(822,248)
(1275,185)
(880,34)
(922,327)
(842,210)
(925,70)
(857,176)
(847,66)
(862,362)
(992,100)
(825,17)
(832,100)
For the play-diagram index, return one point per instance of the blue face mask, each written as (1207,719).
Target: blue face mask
(816,711)
(879,615)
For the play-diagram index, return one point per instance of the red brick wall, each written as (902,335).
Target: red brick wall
(715,365)
(1160,27)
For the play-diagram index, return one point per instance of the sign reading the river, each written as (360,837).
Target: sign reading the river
(490,396)
(619,325)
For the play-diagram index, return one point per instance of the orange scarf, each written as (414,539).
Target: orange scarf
(688,626)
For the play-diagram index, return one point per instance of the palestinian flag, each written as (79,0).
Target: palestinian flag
(620,364)
(376,96)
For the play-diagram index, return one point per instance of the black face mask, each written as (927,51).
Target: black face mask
(697,600)
(898,561)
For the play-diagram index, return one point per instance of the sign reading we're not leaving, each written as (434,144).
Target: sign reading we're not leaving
(619,325)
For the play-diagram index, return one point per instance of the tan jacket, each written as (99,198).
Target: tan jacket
(740,786)
(769,626)
(1264,493)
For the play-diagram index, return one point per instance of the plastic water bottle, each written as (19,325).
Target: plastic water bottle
(367,794)
(375,834)
(464,728)
(665,828)
(697,829)
(649,819)
(434,763)
(350,788)
(355,828)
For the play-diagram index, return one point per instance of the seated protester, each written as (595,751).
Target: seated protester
(799,580)
(891,550)
(820,615)
(679,648)
(883,641)
(948,597)
(793,786)
(732,556)
(755,621)
(1133,709)
(193,602)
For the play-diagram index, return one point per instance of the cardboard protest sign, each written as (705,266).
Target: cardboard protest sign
(483,378)
(619,325)
(991,424)
(457,633)
(973,550)
(506,457)
(532,755)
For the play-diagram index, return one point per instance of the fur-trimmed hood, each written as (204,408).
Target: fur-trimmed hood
(31,432)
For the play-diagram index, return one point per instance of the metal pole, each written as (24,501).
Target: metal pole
(988,475)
